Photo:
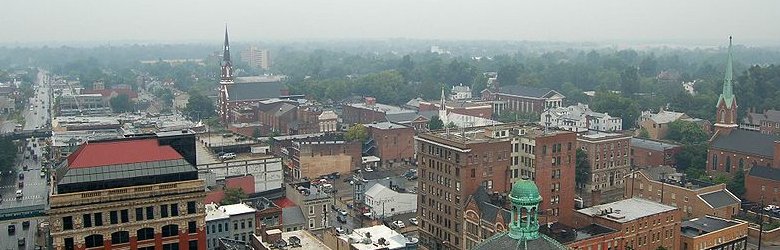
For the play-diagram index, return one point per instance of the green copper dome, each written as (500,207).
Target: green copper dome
(524,189)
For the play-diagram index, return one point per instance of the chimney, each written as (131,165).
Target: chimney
(370,101)
(263,234)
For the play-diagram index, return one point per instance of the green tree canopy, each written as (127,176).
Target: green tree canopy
(7,155)
(358,132)
(581,168)
(121,103)
(686,132)
(199,107)
(233,196)
(435,123)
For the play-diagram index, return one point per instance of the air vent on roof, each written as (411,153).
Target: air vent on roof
(616,216)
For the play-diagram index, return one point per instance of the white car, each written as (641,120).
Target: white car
(343,212)
(18,193)
(399,224)
(340,230)
(771,207)
(369,169)
(413,221)
(228,156)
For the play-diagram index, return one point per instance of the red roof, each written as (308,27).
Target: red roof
(284,202)
(214,197)
(246,183)
(106,153)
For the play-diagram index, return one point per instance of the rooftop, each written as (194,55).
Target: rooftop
(132,151)
(486,134)
(745,141)
(293,215)
(652,144)
(520,90)
(720,198)
(387,109)
(596,135)
(765,173)
(306,240)
(237,209)
(384,125)
(627,210)
(704,225)
(392,239)
(665,116)
(566,235)
(214,213)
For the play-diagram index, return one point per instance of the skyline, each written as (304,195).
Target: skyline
(696,22)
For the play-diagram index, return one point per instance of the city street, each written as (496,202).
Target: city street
(33,185)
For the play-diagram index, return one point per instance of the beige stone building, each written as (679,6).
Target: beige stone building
(137,193)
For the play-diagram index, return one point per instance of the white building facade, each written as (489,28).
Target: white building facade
(385,202)
(579,118)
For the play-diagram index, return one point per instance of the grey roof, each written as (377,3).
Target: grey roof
(504,242)
(704,225)
(627,210)
(385,125)
(254,90)
(651,144)
(152,169)
(769,115)
(765,172)
(415,102)
(487,210)
(665,116)
(746,141)
(520,90)
(658,173)
(720,198)
(402,117)
(292,216)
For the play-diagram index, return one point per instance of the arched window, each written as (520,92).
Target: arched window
(722,116)
(95,240)
(728,163)
(145,234)
(714,162)
(120,237)
(170,230)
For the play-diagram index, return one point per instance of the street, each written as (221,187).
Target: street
(32,185)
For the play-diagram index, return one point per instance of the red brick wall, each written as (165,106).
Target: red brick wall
(642,157)
(393,144)
(722,156)
(353,115)
(756,187)
(641,228)
(599,242)
(538,104)
(544,176)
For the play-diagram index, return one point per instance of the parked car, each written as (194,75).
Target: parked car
(342,219)
(21,241)
(398,224)
(228,156)
(18,194)
(11,229)
(369,169)
(340,230)
(26,224)
(413,221)
(343,212)
(21,176)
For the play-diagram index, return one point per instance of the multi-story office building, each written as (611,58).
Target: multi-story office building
(609,162)
(255,57)
(452,165)
(645,224)
(711,232)
(133,193)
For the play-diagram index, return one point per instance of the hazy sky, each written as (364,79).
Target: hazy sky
(23,21)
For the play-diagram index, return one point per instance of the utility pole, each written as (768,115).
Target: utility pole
(761,223)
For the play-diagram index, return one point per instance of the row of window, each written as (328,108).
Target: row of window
(122,216)
(123,237)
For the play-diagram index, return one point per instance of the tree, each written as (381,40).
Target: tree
(629,81)
(692,157)
(435,123)
(357,132)
(199,107)
(121,103)
(581,169)
(233,196)
(737,184)
(643,133)
(686,132)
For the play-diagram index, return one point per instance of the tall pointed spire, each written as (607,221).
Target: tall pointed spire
(443,100)
(728,93)
(227,65)
(226,49)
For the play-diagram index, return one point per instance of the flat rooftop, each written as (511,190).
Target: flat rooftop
(652,144)
(565,234)
(484,134)
(384,125)
(393,239)
(387,109)
(597,135)
(627,210)
(307,240)
(704,225)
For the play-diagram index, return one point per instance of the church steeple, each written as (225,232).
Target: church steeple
(726,115)
(227,65)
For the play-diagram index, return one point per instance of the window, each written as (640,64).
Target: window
(170,230)
(714,162)
(149,213)
(192,227)
(67,223)
(191,207)
(123,214)
(235,225)
(193,245)
(120,237)
(311,210)
(113,217)
(170,246)
(139,214)
(164,211)
(219,227)
(87,219)
(98,219)
(249,222)
(174,209)
(95,240)
(145,234)
(146,248)
(69,245)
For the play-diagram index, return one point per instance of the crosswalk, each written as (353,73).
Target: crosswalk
(31,197)
(25,184)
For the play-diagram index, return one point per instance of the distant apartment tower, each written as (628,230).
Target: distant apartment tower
(257,58)
(454,164)
(135,193)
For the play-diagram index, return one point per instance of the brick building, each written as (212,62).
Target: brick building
(608,158)
(524,99)
(312,159)
(694,198)
(453,166)
(711,232)
(767,122)
(644,224)
(393,143)
(763,182)
(137,193)
(646,153)
(313,201)
(370,111)
(470,108)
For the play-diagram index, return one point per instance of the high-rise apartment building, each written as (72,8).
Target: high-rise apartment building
(454,164)
(132,193)
(257,58)
(608,157)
